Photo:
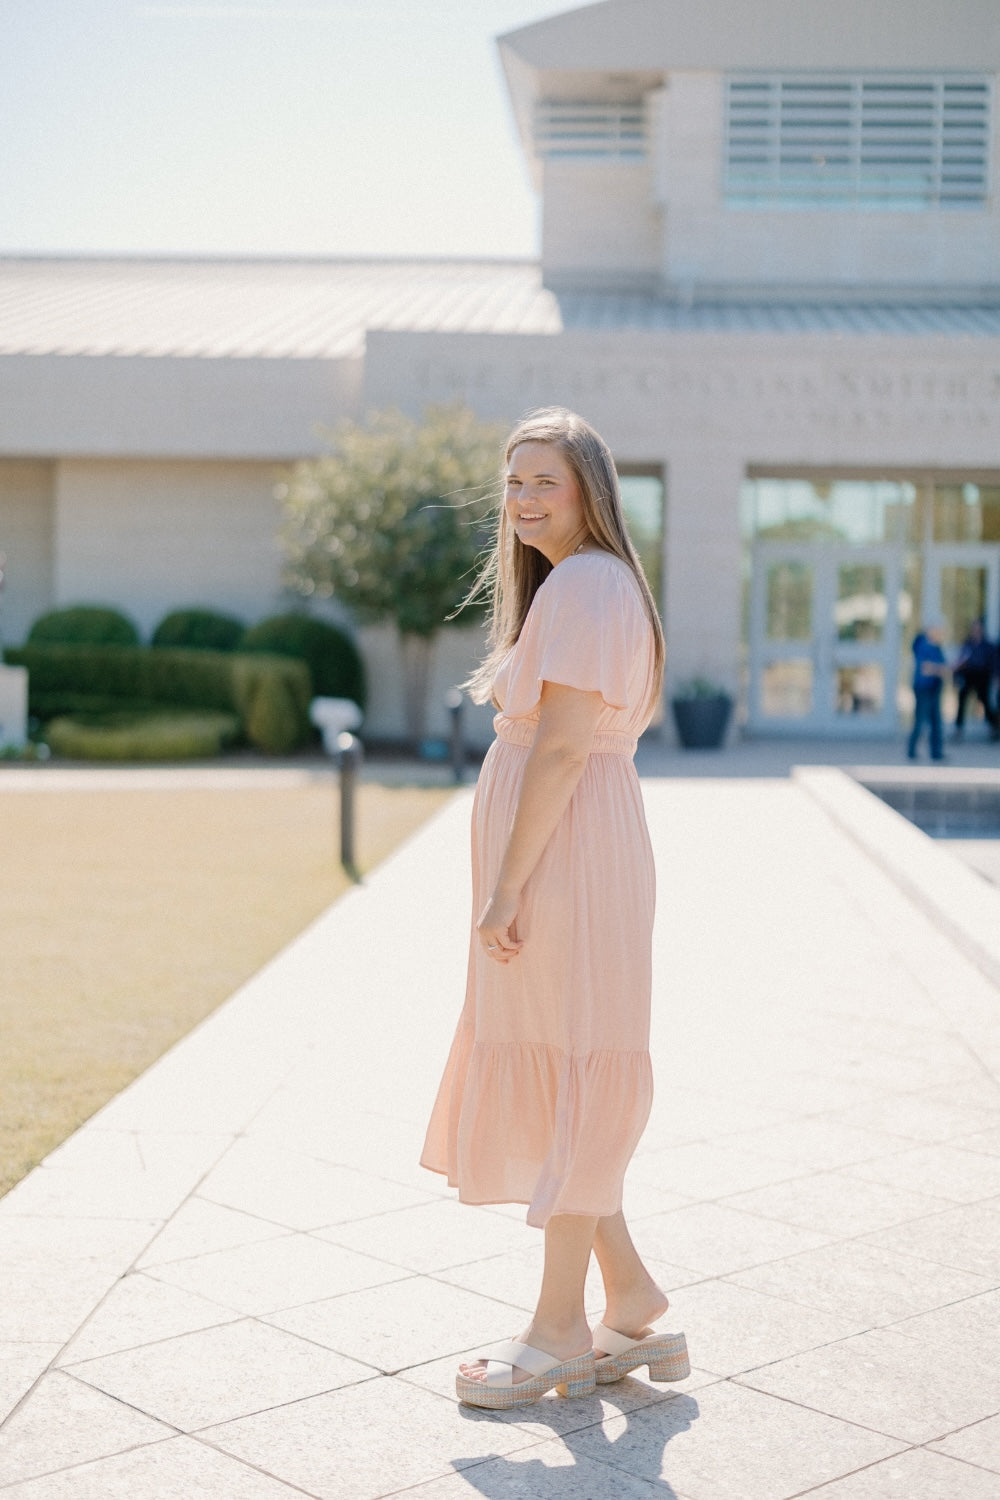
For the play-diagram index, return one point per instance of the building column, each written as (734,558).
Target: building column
(703,564)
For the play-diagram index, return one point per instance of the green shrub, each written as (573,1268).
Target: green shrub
(270,718)
(199,630)
(333,659)
(273,705)
(47,705)
(83,625)
(269,694)
(179,734)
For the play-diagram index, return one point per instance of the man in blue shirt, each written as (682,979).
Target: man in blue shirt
(929,671)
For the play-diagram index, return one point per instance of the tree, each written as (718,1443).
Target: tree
(393,521)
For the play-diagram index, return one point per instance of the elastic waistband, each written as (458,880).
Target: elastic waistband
(522,732)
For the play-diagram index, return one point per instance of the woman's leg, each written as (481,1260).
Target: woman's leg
(633,1299)
(559,1325)
(560,1313)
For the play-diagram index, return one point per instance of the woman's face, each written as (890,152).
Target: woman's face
(543,502)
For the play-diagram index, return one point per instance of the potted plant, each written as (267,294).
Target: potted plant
(701,712)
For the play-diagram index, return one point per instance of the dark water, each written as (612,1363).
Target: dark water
(947,812)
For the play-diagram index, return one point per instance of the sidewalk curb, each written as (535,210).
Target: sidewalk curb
(960,902)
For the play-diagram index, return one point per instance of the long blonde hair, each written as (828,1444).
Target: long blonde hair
(514,573)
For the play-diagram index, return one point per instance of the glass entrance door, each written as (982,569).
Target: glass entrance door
(824,638)
(962,584)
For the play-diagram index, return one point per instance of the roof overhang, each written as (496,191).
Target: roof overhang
(619,49)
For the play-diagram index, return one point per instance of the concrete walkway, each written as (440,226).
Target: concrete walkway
(236,1283)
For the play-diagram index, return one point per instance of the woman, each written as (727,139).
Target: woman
(548,1084)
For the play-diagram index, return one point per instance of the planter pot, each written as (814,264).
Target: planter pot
(13,705)
(701,722)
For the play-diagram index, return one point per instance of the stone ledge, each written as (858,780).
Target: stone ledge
(959,901)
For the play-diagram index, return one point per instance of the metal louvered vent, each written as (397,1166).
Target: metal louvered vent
(588,130)
(881,141)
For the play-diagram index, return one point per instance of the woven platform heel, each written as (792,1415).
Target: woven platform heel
(664,1354)
(584,1383)
(669,1361)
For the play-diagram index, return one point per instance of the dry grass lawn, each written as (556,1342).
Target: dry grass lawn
(126,916)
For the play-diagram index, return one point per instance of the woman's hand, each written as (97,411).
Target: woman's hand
(496,927)
(567,722)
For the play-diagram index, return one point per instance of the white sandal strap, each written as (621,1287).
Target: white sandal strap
(500,1369)
(612,1342)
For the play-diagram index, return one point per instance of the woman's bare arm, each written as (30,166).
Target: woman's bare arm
(566,728)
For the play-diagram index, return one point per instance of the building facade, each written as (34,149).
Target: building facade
(769,274)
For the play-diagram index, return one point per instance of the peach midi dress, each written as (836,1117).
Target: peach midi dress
(548,1083)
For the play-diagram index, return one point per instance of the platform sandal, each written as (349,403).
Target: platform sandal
(498,1391)
(665,1354)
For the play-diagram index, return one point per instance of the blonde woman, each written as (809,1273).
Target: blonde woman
(548,1084)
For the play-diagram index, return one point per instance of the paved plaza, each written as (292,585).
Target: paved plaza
(236,1283)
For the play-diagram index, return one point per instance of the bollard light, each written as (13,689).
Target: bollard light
(350,754)
(454,699)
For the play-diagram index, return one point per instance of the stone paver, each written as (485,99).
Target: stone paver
(177,1469)
(178,1379)
(918,1474)
(236,1281)
(758,1446)
(907,1387)
(978,1444)
(376,1438)
(269,1275)
(67,1423)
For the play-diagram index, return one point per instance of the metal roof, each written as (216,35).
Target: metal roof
(277,309)
(322,309)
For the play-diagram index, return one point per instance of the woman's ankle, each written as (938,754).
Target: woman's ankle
(630,1313)
(557,1334)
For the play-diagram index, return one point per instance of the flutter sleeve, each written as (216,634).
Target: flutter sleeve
(586,629)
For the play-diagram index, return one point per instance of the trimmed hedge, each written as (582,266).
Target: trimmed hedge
(46,705)
(199,630)
(269,695)
(83,625)
(167,734)
(334,661)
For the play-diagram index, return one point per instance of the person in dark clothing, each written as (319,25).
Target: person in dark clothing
(929,670)
(974,672)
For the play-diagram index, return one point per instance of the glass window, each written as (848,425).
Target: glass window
(989,509)
(590,129)
(966,513)
(963,598)
(856,511)
(642,500)
(786,689)
(789,602)
(861,605)
(860,689)
(885,141)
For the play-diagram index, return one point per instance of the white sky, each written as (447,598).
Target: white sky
(376,127)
